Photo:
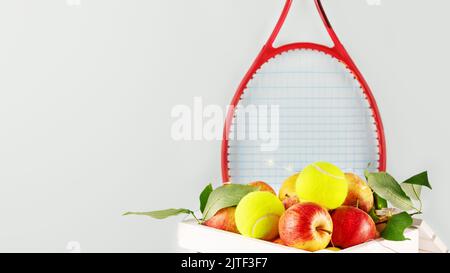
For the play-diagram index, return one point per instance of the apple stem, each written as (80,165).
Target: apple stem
(416,213)
(324,230)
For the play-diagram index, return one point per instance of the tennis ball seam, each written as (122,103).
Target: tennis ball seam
(327,173)
(260,219)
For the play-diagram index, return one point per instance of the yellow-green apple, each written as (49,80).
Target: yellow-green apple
(335,249)
(351,226)
(263,186)
(224,220)
(288,187)
(359,193)
(287,192)
(306,226)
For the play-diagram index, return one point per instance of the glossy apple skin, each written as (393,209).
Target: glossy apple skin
(263,186)
(224,220)
(359,193)
(351,227)
(306,226)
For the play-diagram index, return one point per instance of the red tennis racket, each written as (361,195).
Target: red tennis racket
(326,112)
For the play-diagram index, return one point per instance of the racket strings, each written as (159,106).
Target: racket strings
(322,115)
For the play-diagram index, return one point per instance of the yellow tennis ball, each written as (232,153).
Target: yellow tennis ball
(257,215)
(322,183)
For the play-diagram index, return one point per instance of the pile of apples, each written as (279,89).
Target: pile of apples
(310,226)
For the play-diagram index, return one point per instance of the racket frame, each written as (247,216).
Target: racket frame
(338,51)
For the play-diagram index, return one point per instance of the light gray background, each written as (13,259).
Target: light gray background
(87,86)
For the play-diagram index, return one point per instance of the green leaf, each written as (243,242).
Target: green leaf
(396,226)
(224,197)
(366,174)
(204,197)
(386,187)
(413,191)
(373,215)
(413,186)
(421,179)
(162,214)
(380,203)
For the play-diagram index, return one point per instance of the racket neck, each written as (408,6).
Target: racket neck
(284,14)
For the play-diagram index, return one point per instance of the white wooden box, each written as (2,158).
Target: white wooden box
(199,238)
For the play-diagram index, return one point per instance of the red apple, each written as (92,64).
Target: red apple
(359,193)
(380,228)
(306,226)
(351,226)
(224,220)
(278,241)
(263,186)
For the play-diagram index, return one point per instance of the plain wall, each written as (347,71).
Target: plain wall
(87,88)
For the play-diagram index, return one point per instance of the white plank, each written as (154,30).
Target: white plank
(429,242)
(195,237)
